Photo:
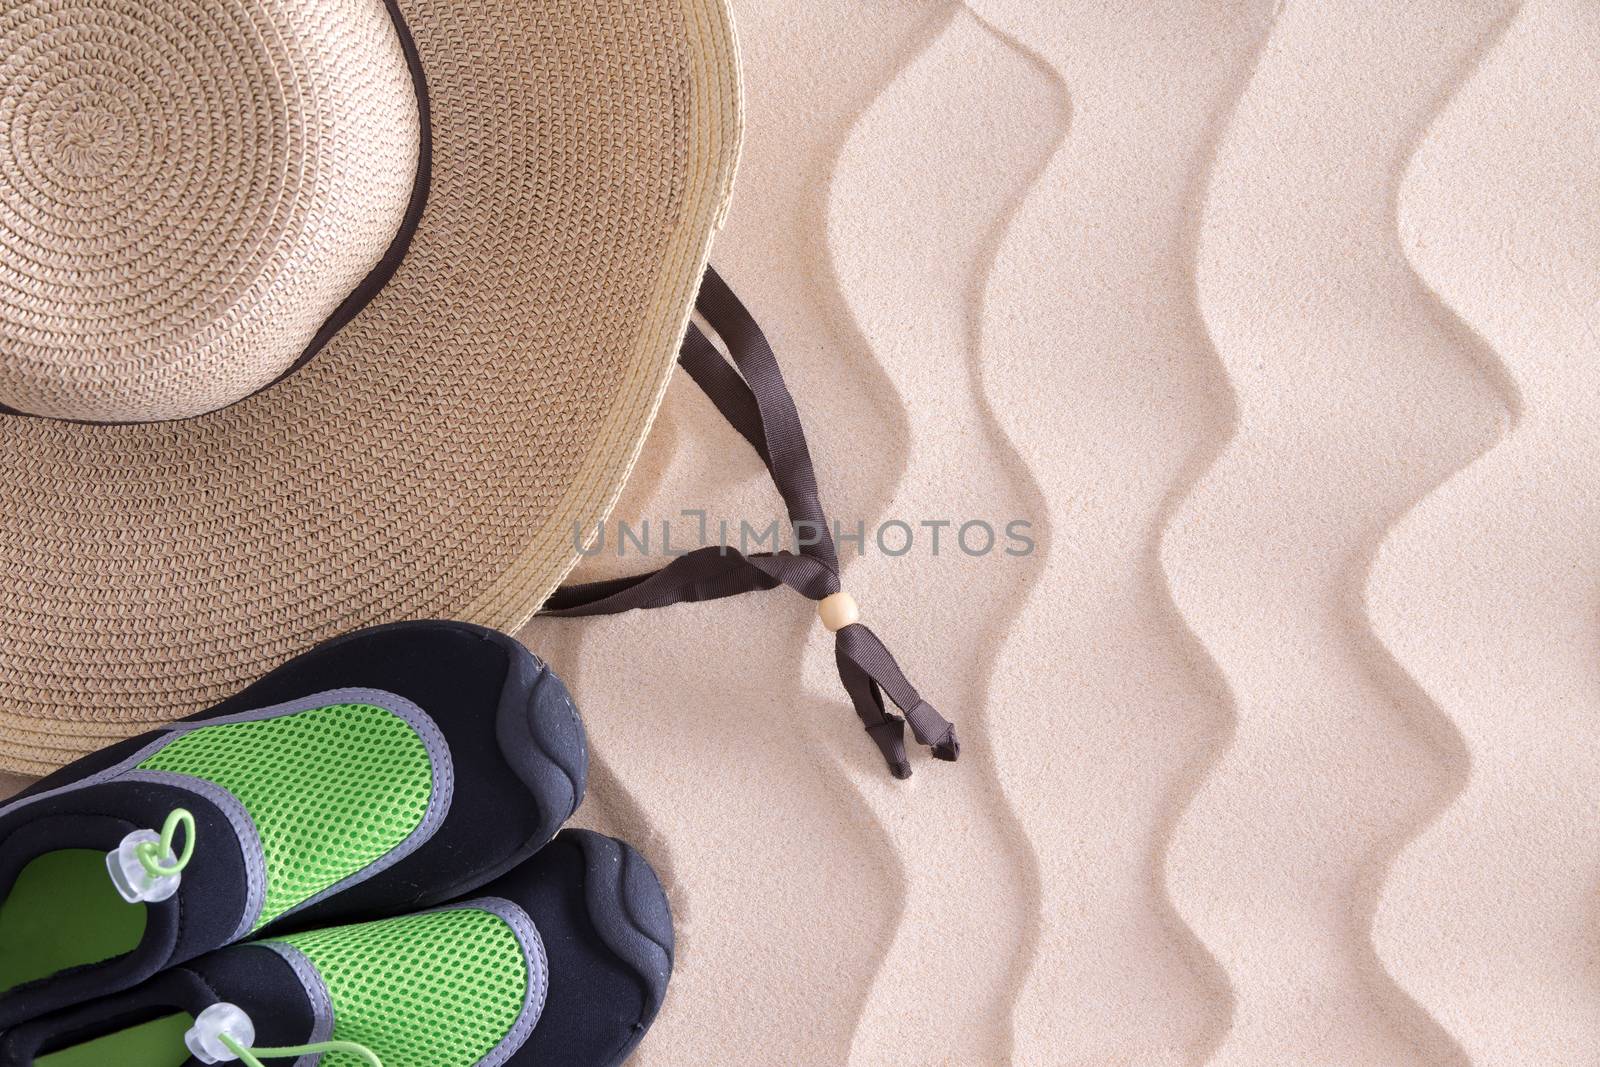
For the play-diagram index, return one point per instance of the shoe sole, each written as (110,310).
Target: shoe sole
(630,913)
(542,739)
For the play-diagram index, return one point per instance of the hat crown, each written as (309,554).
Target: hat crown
(188,191)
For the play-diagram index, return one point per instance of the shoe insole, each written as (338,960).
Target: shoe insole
(64,912)
(154,1044)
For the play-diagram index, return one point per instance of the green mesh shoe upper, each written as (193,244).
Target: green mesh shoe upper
(441,989)
(331,790)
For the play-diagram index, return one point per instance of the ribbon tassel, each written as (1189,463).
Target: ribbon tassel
(869,671)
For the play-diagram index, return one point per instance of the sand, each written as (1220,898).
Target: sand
(1279,323)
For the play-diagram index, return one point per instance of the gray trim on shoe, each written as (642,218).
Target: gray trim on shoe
(538,975)
(439,800)
(533,955)
(255,857)
(316,992)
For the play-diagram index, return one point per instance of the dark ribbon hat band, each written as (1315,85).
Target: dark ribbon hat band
(751,394)
(399,245)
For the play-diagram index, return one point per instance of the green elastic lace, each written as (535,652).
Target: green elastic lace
(150,853)
(247,1056)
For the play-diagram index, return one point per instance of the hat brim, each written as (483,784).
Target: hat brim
(437,456)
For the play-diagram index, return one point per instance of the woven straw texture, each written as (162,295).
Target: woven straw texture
(172,235)
(435,458)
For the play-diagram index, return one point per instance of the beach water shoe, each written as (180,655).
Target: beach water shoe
(383,772)
(565,960)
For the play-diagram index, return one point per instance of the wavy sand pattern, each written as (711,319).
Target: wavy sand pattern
(948,982)
(1353,400)
(1126,703)
(1281,324)
(1489,592)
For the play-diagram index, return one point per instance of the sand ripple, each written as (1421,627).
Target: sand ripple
(1127,706)
(1489,591)
(1354,399)
(971,920)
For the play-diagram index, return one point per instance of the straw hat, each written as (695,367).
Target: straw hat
(320,313)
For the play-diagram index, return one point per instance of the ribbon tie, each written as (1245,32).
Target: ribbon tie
(751,394)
